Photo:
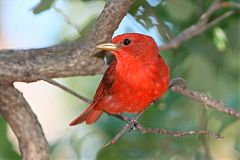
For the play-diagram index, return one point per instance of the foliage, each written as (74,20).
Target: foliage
(209,63)
(6,148)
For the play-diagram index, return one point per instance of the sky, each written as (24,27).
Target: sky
(18,21)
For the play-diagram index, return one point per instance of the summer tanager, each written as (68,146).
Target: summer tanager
(137,77)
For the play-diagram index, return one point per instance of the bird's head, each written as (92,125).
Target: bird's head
(131,45)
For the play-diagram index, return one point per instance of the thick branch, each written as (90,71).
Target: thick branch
(34,65)
(24,124)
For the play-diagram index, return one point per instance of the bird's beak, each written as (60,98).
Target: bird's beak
(107,46)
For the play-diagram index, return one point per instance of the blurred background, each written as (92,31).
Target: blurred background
(209,63)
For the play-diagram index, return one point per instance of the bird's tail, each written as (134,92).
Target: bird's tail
(89,115)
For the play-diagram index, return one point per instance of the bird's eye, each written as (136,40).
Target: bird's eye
(126,41)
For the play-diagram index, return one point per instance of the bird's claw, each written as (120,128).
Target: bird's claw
(133,123)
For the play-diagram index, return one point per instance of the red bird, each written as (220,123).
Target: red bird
(137,77)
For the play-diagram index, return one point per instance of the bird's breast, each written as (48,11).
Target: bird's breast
(144,76)
(135,87)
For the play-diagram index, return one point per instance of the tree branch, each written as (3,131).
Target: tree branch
(142,129)
(77,58)
(198,28)
(24,124)
(68,90)
(179,86)
(133,124)
(37,64)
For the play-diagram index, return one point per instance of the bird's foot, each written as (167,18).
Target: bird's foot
(133,122)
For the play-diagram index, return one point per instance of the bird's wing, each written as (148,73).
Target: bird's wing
(105,86)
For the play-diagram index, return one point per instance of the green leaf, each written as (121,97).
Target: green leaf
(180,10)
(43,5)
(220,39)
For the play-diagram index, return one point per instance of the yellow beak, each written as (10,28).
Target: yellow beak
(107,46)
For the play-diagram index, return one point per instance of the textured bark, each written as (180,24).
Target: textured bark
(57,61)
(24,124)
(75,59)
(32,65)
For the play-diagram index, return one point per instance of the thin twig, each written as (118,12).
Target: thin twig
(142,129)
(120,133)
(216,5)
(202,25)
(122,117)
(34,64)
(136,126)
(179,86)
(89,101)
(220,18)
(128,127)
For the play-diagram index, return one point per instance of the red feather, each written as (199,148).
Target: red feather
(137,77)
(90,115)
